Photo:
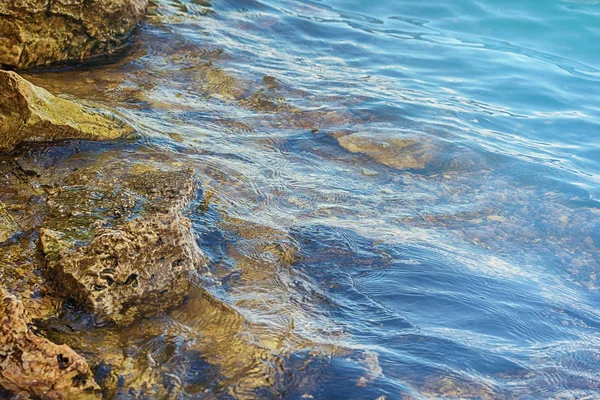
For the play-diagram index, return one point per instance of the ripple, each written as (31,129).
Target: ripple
(399,198)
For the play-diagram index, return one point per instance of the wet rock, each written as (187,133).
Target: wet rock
(8,225)
(41,32)
(30,113)
(399,153)
(22,210)
(453,388)
(133,258)
(31,365)
(142,265)
(203,348)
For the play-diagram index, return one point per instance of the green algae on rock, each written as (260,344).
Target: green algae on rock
(42,32)
(31,365)
(30,113)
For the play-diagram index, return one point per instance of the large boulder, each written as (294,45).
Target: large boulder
(30,113)
(31,365)
(42,32)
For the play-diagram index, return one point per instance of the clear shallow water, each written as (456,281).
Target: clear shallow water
(467,269)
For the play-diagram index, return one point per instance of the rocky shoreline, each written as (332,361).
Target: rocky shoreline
(96,239)
(111,236)
(96,245)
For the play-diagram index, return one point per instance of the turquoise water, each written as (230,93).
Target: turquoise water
(435,167)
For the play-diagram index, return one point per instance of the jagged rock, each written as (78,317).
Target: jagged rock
(142,265)
(136,263)
(42,32)
(31,365)
(30,113)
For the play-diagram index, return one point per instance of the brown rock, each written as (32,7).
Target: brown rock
(139,268)
(8,225)
(398,153)
(31,365)
(137,265)
(30,113)
(42,32)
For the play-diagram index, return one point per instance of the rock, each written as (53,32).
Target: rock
(136,263)
(41,32)
(8,225)
(31,365)
(398,153)
(141,265)
(30,113)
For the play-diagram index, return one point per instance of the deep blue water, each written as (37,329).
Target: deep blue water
(470,274)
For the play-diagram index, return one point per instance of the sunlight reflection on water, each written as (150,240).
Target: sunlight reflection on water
(404,194)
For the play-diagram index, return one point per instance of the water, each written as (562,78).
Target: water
(402,199)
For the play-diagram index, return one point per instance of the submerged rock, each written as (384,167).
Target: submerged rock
(30,113)
(398,153)
(134,256)
(41,32)
(8,225)
(31,365)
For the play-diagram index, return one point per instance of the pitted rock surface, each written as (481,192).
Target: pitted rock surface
(31,365)
(136,263)
(42,32)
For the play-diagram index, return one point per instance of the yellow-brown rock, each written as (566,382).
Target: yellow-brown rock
(36,33)
(398,153)
(31,113)
(32,366)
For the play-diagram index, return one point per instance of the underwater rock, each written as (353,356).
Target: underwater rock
(135,264)
(31,365)
(41,32)
(30,113)
(455,388)
(398,153)
(8,226)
